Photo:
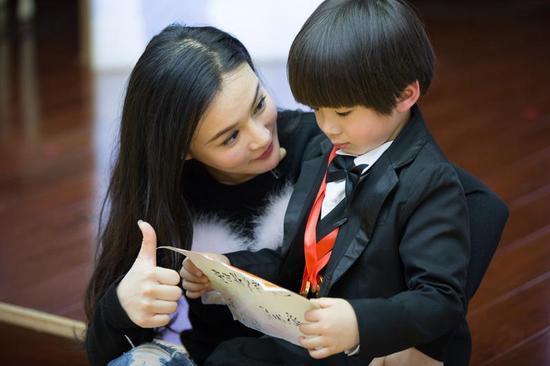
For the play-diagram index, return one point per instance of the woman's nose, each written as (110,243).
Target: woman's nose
(261,135)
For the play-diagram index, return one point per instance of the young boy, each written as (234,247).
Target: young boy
(377,227)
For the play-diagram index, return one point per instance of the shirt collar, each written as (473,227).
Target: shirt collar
(370,157)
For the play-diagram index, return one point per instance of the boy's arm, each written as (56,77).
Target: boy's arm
(264,263)
(105,336)
(434,250)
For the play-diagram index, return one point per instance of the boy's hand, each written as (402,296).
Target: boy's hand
(331,329)
(147,293)
(193,280)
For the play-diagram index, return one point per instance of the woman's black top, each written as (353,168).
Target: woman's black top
(238,205)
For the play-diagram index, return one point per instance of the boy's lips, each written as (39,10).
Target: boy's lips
(340,146)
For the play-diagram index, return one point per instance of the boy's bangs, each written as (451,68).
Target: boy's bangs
(364,53)
(318,78)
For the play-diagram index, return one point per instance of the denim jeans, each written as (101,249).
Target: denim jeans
(156,353)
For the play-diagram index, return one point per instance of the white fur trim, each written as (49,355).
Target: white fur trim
(216,235)
(269,228)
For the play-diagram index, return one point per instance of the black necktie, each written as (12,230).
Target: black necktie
(343,167)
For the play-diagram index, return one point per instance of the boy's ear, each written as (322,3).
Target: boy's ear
(409,96)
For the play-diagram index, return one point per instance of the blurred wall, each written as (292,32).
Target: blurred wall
(120,29)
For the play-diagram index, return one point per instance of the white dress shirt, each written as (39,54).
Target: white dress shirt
(336,191)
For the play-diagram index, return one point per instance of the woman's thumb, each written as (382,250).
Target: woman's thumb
(148,251)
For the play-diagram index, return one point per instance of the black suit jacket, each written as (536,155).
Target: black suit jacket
(400,259)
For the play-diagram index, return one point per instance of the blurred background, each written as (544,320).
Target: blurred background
(63,69)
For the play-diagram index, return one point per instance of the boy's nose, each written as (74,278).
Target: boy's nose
(330,129)
(328,126)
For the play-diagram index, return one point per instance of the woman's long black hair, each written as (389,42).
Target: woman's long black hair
(170,88)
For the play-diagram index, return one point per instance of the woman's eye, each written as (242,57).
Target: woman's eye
(231,139)
(260,106)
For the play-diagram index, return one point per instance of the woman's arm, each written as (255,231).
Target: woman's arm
(264,263)
(142,300)
(105,336)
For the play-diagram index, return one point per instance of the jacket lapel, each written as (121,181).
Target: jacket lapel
(369,197)
(363,212)
(335,218)
(305,191)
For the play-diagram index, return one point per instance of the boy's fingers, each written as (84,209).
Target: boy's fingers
(309,329)
(319,353)
(312,342)
(312,316)
(323,302)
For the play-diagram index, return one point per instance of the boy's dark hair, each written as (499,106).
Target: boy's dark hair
(359,52)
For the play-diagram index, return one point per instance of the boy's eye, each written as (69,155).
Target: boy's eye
(231,139)
(343,114)
(260,106)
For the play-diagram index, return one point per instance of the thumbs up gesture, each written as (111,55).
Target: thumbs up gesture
(149,294)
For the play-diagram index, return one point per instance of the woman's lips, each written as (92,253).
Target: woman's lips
(267,153)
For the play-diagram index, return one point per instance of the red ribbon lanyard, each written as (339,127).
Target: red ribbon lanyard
(317,253)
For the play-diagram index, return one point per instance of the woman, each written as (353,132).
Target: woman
(201,145)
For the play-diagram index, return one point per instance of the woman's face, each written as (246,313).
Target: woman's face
(237,136)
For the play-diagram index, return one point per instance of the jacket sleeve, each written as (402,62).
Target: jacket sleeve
(296,130)
(105,336)
(264,263)
(434,250)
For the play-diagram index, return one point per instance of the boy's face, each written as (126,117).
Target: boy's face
(357,130)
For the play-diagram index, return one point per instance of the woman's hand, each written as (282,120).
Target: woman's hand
(149,294)
(193,280)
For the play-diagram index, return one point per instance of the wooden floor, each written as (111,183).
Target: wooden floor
(27,347)
(489,107)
